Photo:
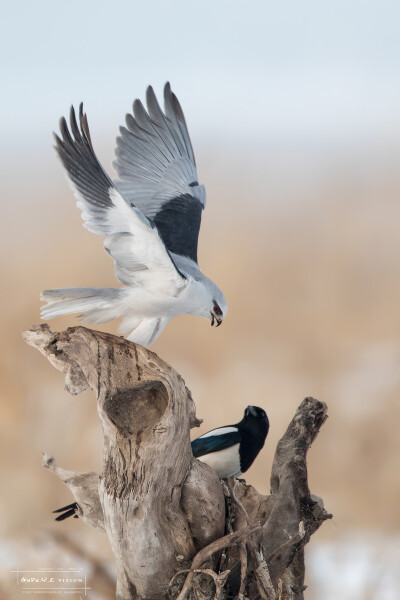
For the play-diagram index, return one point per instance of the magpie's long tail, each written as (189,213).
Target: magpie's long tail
(95,305)
(67,511)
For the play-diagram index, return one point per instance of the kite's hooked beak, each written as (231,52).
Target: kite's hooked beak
(214,319)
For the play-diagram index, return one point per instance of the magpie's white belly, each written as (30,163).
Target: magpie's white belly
(225,462)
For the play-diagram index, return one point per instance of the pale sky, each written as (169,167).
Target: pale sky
(241,69)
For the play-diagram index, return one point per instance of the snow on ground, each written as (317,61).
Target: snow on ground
(356,566)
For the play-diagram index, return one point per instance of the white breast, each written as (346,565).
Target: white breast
(225,462)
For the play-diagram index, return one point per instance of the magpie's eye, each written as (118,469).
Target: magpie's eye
(217,310)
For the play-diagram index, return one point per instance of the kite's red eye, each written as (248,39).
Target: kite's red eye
(217,310)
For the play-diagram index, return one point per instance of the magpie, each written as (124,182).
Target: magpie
(229,450)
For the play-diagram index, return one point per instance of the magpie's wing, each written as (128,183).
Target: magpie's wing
(214,443)
(67,511)
(157,171)
(133,241)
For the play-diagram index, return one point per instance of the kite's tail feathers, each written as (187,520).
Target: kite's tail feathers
(95,305)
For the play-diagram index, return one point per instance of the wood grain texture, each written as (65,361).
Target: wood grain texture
(175,529)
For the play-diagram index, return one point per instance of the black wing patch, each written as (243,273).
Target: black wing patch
(86,173)
(215,443)
(157,171)
(178,222)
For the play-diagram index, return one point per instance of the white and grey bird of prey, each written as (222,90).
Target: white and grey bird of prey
(150,216)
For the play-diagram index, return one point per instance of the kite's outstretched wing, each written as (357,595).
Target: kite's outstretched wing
(157,171)
(133,241)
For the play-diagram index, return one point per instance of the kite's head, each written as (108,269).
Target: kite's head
(213,303)
(218,309)
(216,314)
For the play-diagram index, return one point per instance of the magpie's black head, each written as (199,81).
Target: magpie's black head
(255,411)
(256,421)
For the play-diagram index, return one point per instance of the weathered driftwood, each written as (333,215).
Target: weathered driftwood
(175,529)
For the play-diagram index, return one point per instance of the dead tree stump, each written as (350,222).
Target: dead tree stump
(175,529)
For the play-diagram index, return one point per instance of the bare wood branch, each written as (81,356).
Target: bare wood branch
(225,542)
(241,521)
(85,489)
(146,414)
(264,582)
(292,502)
(291,542)
(219,580)
(163,511)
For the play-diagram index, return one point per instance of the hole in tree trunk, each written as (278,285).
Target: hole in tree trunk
(135,411)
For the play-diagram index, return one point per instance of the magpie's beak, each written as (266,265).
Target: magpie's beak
(214,320)
(250,410)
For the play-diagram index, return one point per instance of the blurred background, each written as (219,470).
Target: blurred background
(294,114)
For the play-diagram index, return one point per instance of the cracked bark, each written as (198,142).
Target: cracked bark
(165,512)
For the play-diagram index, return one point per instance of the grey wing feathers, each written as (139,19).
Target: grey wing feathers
(157,171)
(132,240)
(85,170)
